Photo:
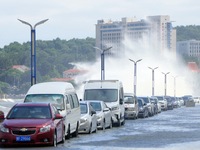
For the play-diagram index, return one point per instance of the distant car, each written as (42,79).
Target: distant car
(174,101)
(150,106)
(196,99)
(32,123)
(131,106)
(186,98)
(143,109)
(163,102)
(88,121)
(104,114)
(170,104)
(157,104)
(190,102)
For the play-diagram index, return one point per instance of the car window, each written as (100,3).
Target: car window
(96,106)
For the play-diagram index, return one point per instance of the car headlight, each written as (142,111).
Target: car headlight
(45,128)
(83,120)
(115,108)
(4,129)
(99,117)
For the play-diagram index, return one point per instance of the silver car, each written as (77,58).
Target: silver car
(88,121)
(163,102)
(131,106)
(104,114)
(149,105)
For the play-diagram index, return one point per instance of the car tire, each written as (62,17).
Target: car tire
(68,133)
(111,123)
(90,129)
(104,126)
(55,139)
(63,136)
(75,134)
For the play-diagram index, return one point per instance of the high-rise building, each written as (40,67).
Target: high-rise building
(156,30)
(188,48)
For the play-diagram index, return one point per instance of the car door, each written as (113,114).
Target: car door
(58,123)
(107,114)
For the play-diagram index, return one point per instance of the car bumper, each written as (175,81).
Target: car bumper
(130,114)
(35,139)
(84,127)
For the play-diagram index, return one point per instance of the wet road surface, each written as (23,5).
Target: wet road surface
(173,129)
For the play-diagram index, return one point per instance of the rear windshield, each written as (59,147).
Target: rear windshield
(106,95)
(129,99)
(56,99)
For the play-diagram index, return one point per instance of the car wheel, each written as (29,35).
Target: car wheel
(104,126)
(63,136)
(90,129)
(68,133)
(123,122)
(75,134)
(144,115)
(118,123)
(111,123)
(55,139)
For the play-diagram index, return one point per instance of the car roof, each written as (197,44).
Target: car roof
(32,104)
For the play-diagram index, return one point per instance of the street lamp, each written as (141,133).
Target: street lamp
(174,85)
(165,82)
(153,79)
(33,49)
(135,73)
(102,61)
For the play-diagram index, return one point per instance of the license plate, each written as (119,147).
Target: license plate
(23,138)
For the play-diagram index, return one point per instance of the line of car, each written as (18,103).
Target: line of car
(51,112)
(145,106)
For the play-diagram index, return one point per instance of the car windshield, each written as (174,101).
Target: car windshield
(146,100)
(140,103)
(84,109)
(96,106)
(160,98)
(56,99)
(106,95)
(29,112)
(129,99)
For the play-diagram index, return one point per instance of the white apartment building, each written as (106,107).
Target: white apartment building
(157,30)
(189,48)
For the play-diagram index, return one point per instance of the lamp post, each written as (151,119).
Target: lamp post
(165,82)
(174,85)
(135,74)
(103,61)
(153,79)
(33,49)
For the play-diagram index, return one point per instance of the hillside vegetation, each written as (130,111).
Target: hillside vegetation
(56,56)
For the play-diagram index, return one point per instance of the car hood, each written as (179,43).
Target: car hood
(84,116)
(26,122)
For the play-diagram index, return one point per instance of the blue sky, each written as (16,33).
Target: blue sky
(77,18)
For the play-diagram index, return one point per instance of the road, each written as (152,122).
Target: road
(177,129)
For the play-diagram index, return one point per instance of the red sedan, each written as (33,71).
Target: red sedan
(32,123)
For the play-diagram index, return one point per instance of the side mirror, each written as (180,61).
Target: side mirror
(106,109)
(2,115)
(58,116)
(93,112)
(121,101)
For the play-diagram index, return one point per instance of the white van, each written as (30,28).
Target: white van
(109,91)
(64,96)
